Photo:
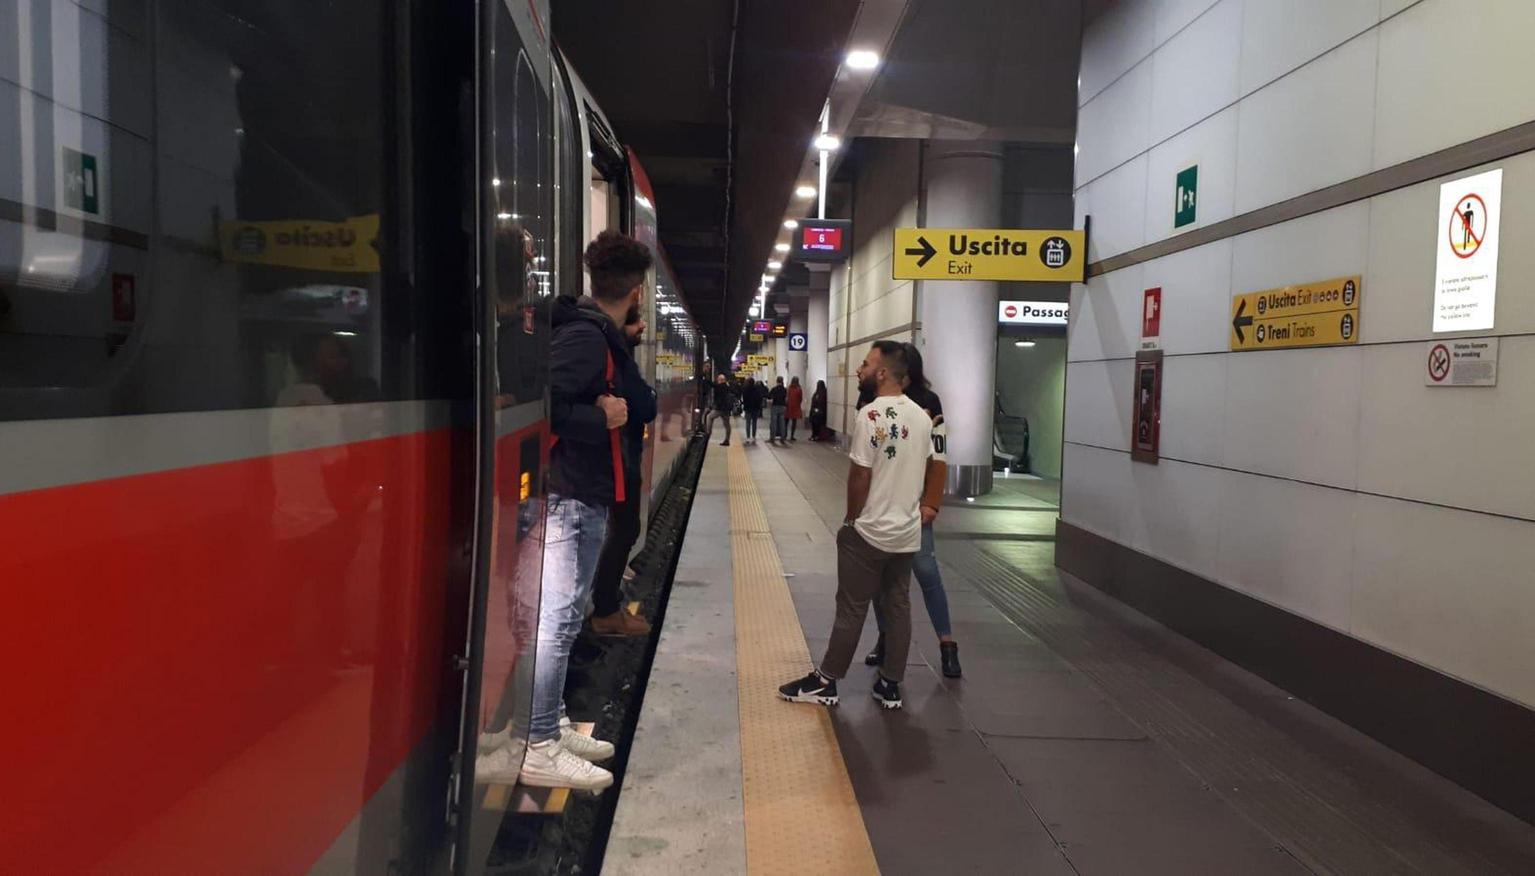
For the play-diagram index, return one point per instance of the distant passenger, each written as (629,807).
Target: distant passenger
(925,564)
(609,616)
(778,397)
(588,358)
(818,412)
(891,443)
(722,403)
(794,407)
(752,396)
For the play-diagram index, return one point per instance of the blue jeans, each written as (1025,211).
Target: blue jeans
(573,536)
(751,422)
(777,426)
(925,566)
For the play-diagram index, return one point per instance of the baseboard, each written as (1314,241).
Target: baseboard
(1474,738)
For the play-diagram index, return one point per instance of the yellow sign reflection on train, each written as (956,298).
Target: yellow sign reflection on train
(349,246)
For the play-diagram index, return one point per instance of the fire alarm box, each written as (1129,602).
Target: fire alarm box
(1146,424)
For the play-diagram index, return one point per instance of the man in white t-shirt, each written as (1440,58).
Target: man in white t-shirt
(890,444)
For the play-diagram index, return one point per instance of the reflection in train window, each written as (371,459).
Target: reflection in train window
(194,209)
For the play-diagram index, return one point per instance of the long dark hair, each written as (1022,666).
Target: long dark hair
(914,372)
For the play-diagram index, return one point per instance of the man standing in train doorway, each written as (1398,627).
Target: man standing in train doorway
(588,360)
(890,445)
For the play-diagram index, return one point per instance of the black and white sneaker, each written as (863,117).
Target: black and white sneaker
(811,689)
(887,693)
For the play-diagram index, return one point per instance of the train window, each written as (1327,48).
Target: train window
(192,218)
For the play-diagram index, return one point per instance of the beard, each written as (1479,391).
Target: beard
(868,386)
(633,316)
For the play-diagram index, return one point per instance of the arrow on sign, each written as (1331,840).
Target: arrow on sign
(1240,322)
(926,251)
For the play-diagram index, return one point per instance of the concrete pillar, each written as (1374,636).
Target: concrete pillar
(817,327)
(780,360)
(798,361)
(963,182)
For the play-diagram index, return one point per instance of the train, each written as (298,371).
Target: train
(274,287)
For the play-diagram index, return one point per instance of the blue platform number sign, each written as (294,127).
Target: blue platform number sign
(798,342)
(81,182)
(1187,203)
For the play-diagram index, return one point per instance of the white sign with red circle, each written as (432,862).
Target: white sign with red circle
(1033,312)
(1469,362)
(1466,266)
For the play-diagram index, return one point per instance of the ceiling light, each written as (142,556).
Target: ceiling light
(862,59)
(781,247)
(754,311)
(1023,344)
(773,266)
(828,142)
(805,191)
(495,182)
(503,216)
(790,224)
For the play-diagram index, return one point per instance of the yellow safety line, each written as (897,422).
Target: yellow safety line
(801,813)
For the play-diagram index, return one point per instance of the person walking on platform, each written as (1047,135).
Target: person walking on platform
(818,412)
(751,407)
(609,617)
(795,407)
(925,564)
(723,403)
(891,443)
(779,398)
(588,360)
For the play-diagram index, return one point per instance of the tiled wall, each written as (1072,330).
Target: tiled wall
(1329,482)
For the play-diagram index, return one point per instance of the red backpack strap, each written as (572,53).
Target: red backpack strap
(620,494)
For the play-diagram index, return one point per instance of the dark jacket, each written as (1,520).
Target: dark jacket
(722,397)
(751,398)
(581,464)
(642,411)
(778,396)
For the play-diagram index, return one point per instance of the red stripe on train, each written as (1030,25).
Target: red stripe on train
(213,668)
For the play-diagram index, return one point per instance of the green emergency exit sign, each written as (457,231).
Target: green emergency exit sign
(1187,202)
(81,182)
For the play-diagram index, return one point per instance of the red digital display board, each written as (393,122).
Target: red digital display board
(817,239)
(823,240)
(762,327)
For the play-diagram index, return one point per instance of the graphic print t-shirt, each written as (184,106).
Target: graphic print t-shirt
(893,436)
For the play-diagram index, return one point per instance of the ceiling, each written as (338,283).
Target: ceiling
(718,98)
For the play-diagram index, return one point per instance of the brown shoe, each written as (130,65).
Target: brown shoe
(620,623)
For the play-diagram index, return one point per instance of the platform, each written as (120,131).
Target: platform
(1083,738)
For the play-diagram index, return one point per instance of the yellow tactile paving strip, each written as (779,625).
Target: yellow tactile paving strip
(801,814)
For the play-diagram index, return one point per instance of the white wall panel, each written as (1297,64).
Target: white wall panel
(1333,243)
(1173,514)
(1211,144)
(1195,74)
(1389,8)
(1449,589)
(1095,488)
(1196,293)
(1098,399)
(1280,35)
(1121,37)
(1106,316)
(1451,71)
(1288,544)
(1193,408)
(1294,414)
(1114,126)
(1469,447)
(1117,203)
(1173,16)
(1310,129)
(882,314)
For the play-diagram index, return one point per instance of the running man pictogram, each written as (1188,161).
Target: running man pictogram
(1465,235)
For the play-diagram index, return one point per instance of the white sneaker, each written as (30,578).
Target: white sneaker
(549,765)
(587,748)
(501,766)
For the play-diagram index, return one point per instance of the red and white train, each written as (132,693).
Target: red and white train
(273,337)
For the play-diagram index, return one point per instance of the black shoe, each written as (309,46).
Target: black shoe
(811,689)
(887,693)
(950,653)
(876,656)
(725,443)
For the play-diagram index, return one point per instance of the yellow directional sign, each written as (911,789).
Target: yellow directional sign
(1320,314)
(754,338)
(350,246)
(1009,254)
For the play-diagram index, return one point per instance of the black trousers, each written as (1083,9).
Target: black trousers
(623,531)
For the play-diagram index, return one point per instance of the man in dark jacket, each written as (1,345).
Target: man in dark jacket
(588,361)
(609,618)
(723,402)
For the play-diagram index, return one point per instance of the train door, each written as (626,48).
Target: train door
(516,217)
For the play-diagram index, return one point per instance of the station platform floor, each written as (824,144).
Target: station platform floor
(1083,738)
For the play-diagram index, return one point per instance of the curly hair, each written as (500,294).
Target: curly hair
(617,263)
